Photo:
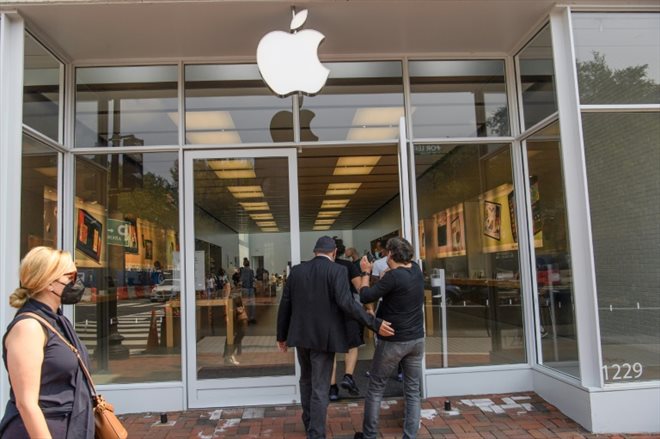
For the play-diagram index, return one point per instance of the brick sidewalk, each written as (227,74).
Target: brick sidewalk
(521,415)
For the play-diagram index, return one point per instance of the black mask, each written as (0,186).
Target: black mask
(72,292)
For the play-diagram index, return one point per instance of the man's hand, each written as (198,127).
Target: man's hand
(365,265)
(281,345)
(385,329)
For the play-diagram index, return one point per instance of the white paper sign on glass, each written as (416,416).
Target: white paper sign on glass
(289,62)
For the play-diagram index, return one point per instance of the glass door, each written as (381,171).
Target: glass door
(241,237)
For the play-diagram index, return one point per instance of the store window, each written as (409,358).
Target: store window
(39,195)
(229,104)
(622,158)
(126,106)
(127,251)
(468,237)
(41,89)
(458,99)
(361,101)
(618,57)
(537,78)
(552,252)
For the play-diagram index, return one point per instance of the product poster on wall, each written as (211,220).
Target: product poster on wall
(88,238)
(450,232)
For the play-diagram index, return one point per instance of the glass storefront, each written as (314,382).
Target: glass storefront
(126,234)
(41,90)
(537,79)
(229,104)
(39,195)
(186,296)
(618,59)
(469,248)
(458,99)
(361,101)
(552,252)
(126,106)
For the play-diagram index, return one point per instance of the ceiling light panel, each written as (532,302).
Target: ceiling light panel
(342,188)
(321,228)
(270,229)
(378,116)
(222,165)
(329,214)
(368,160)
(261,216)
(237,173)
(334,204)
(213,137)
(266,223)
(246,191)
(254,206)
(324,222)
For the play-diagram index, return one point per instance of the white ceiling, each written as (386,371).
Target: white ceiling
(109,30)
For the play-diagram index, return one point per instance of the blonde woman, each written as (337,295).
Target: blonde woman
(49,396)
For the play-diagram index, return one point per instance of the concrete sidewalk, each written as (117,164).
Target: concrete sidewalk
(521,415)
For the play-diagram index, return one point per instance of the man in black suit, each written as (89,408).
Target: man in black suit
(311,319)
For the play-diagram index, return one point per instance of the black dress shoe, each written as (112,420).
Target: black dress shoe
(358,435)
(333,395)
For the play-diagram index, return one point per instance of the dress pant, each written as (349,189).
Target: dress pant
(315,374)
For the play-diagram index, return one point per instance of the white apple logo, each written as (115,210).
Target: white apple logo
(289,62)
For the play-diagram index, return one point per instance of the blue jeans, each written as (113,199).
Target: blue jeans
(387,357)
(250,301)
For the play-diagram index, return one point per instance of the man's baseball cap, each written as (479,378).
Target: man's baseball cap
(324,244)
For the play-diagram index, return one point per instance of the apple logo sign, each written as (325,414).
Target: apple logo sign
(289,62)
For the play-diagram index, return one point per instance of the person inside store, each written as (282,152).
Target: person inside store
(49,396)
(353,256)
(247,286)
(402,292)
(354,331)
(311,318)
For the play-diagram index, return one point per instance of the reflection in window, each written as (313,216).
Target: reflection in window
(39,195)
(41,89)
(126,106)
(127,252)
(618,57)
(622,157)
(458,99)
(231,104)
(554,278)
(361,101)
(537,78)
(469,247)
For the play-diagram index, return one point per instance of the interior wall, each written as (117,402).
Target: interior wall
(384,221)
(211,230)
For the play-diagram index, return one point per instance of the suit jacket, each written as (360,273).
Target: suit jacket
(311,313)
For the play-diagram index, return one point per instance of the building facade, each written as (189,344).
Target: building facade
(514,143)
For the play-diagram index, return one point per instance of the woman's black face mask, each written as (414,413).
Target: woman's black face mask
(72,292)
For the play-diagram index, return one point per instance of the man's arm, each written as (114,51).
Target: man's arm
(382,287)
(345,300)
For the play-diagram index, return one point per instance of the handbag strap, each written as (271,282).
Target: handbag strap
(75,350)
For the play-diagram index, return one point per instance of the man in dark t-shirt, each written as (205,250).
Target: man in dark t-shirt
(402,292)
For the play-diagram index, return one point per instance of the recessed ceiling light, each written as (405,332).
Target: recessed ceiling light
(246,191)
(222,165)
(367,160)
(255,206)
(238,173)
(342,188)
(266,223)
(321,228)
(261,216)
(334,204)
(270,229)
(323,222)
(329,214)
(213,137)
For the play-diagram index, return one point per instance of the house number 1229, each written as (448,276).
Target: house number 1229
(625,371)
